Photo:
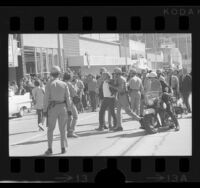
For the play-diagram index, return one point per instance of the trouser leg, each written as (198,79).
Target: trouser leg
(62,118)
(109,118)
(112,111)
(130,113)
(132,100)
(39,115)
(74,119)
(91,100)
(52,118)
(81,104)
(186,101)
(141,106)
(137,99)
(102,111)
(170,113)
(119,115)
(69,122)
(125,105)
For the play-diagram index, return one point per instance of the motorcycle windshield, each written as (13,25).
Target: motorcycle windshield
(153,89)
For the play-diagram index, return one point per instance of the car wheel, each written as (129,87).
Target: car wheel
(21,112)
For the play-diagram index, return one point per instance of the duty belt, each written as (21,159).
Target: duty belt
(52,104)
(135,90)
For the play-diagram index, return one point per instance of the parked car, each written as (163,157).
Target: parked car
(19,103)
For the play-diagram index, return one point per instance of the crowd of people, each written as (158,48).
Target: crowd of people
(64,96)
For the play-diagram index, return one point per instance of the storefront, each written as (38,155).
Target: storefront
(39,61)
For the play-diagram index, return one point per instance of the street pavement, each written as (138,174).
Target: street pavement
(26,140)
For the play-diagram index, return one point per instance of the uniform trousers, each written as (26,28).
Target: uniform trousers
(135,101)
(58,112)
(123,103)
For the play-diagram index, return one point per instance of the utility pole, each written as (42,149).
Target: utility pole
(126,44)
(59,52)
(22,53)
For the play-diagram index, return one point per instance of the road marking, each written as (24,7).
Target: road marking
(44,134)
(28,139)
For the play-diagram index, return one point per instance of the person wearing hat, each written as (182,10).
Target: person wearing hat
(153,83)
(160,74)
(165,90)
(122,99)
(135,88)
(57,103)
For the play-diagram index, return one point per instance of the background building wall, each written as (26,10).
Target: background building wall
(71,45)
(41,40)
(98,48)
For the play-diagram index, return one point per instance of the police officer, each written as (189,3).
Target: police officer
(122,99)
(57,103)
(135,88)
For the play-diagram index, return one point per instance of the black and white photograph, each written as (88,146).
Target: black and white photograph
(100,94)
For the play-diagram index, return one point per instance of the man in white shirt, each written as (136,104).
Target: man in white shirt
(108,102)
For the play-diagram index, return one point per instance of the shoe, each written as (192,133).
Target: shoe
(40,128)
(177,128)
(100,129)
(111,128)
(72,135)
(48,152)
(118,129)
(63,150)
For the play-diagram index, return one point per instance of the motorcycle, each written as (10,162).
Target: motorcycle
(151,119)
(155,113)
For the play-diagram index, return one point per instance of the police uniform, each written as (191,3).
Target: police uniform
(136,87)
(122,100)
(57,102)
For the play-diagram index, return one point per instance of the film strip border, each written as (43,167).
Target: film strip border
(88,169)
(76,169)
(87,24)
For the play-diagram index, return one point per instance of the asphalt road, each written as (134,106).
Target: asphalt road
(26,140)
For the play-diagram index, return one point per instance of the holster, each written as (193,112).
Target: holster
(52,104)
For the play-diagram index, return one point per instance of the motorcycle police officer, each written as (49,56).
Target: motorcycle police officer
(57,103)
(122,99)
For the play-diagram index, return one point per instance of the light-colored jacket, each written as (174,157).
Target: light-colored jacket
(38,96)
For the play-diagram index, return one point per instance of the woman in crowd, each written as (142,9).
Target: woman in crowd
(38,98)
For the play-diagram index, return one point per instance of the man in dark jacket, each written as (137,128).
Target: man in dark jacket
(186,88)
